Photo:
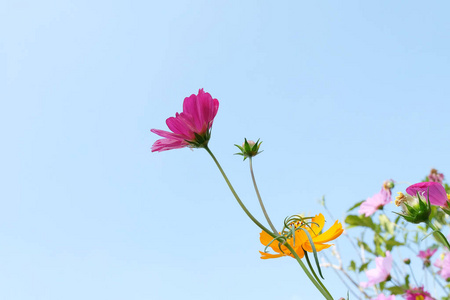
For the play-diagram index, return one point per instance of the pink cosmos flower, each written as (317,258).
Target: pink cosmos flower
(383,297)
(372,204)
(425,255)
(417,294)
(436,192)
(192,127)
(381,272)
(434,176)
(444,266)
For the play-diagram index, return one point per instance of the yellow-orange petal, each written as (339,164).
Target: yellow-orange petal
(265,239)
(332,233)
(300,237)
(299,251)
(319,247)
(320,220)
(265,255)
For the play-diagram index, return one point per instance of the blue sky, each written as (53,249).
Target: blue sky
(343,95)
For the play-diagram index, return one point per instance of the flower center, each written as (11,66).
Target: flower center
(400,199)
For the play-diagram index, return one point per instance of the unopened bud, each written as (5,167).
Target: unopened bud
(249,148)
(389,184)
(407,261)
(415,209)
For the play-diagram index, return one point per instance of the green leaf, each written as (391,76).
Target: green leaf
(406,281)
(386,224)
(396,290)
(352,266)
(391,243)
(365,246)
(355,206)
(364,221)
(364,266)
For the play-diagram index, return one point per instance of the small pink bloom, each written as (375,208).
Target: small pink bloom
(381,272)
(424,255)
(434,176)
(383,297)
(417,293)
(191,127)
(435,190)
(372,204)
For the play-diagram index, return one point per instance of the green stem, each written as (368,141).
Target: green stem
(321,289)
(317,283)
(237,197)
(260,200)
(314,273)
(438,236)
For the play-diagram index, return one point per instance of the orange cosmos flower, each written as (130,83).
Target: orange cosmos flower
(302,243)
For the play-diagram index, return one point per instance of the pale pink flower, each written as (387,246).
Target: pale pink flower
(381,272)
(383,297)
(192,127)
(434,176)
(444,266)
(435,191)
(417,293)
(377,201)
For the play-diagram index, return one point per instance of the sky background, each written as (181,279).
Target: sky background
(343,95)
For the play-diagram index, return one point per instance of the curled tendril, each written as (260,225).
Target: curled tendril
(281,240)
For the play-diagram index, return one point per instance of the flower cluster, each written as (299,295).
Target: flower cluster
(192,128)
(424,203)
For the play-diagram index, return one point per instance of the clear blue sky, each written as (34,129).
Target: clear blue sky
(343,95)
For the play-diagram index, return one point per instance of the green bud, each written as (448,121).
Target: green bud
(249,148)
(415,209)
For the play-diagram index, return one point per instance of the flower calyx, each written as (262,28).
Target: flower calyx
(415,209)
(249,148)
(201,140)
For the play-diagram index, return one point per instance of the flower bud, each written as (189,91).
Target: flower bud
(388,184)
(249,148)
(407,261)
(434,176)
(415,209)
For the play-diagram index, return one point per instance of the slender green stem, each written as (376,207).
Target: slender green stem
(318,284)
(237,197)
(321,289)
(260,200)
(438,236)
(314,273)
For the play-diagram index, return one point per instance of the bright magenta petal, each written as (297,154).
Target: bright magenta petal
(435,190)
(192,126)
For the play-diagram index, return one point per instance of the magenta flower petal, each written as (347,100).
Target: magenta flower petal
(424,255)
(168,144)
(417,293)
(436,191)
(192,127)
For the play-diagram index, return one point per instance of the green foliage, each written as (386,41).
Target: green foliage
(364,221)
(355,206)
(352,266)
(396,290)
